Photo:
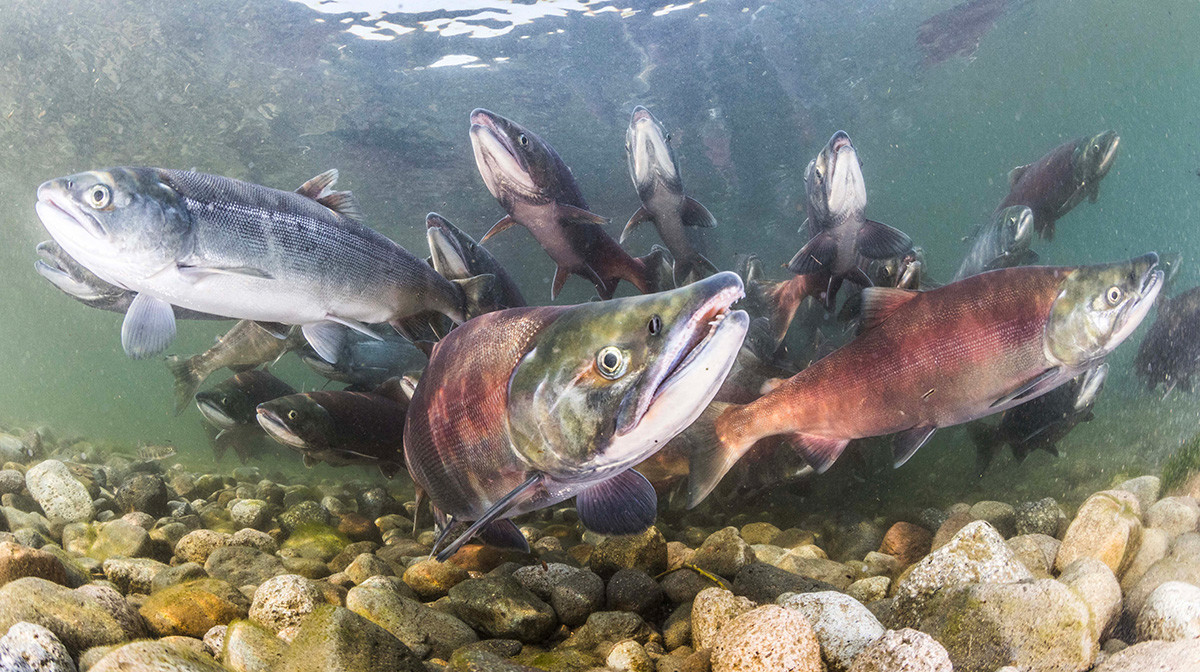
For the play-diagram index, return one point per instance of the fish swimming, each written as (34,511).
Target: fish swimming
(941,357)
(655,174)
(229,408)
(339,428)
(1060,180)
(82,285)
(248,344)
(1001,243)
(523,408)
(539,192)
(840,234)
(1040,423)
(365,363)
(226,247)
(1170,353)
(456,256)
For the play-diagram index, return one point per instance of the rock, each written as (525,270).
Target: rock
(250,513)
(1168,569)
(191,609)
(367,565)
(677,629)
(500,606)
(1001,515)
(1044,516)
(903,650)
(35,647)
(1171,612)
(118,607)
(473,660)
(120,538)
(724,553)
(765,553)
(767,639)
(143,492)
(763,583)
(573,593)
(869,589)
(1097,587)
(173,576)
(1036,551)
(254,539)
(242,565)
(347,555)
(214,639)
(843,626)
(17,561)
(196,546)
(303,514)
(682,585)
(315,540)
(335,638)
(1176,515)
(249,647)
(976,554)
(1039,625)
(151,656)
(1107,527)
(833,573)
(284,601)
(12,482)
(646,551)
(629,656)
(712,609)
(426,631)
(1154,547)
(79,622)
(760,533)
(133,575)
(907,542)
(633,590)
(953,523)
(1144,488)
(432,580)
(64,499)
(1181,656)
(609,626)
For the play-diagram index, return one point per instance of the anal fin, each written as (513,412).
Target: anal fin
(326,338)
(623,504)
(907,442)
(818,451)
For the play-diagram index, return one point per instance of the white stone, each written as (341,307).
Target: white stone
(64,499)
(843,626)
(1171,613)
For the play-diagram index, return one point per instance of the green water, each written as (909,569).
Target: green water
(274,92)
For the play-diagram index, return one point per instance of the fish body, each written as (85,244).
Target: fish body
(1170,354)
(839,232)
(655,174)
(339,428)
(925,360)
(1001,243)
(226,247)
(1061,179)
(228,409)
(247,344)
(456,256)
(365,362)
(522,408)
(86,287)
(538,191)
(1040,423)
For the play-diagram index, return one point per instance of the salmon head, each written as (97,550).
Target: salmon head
(609,383)
(835,184)
(1098,307)
(651,161)
(1093,158)
(518,166)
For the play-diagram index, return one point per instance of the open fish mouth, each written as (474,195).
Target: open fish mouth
(277,429)
(698,348)
(1110,141)
(1152,284)
(449,259)
(845,189)
(61,216)
(648,151)
(214,414)
(499,164)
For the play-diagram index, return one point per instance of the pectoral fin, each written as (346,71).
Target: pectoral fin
(642,215)
(624,504)
(326,338)
(569,214)
(817,255)
(505,222)
(695,214)
(198,273)
(149,327)
(879,241)
(494,512)
(1030,388)
(907,442)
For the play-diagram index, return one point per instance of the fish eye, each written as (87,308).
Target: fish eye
(522,140)
(292,414)
(1114,295)
(611,362)
(668,137)
(99,196)
(655,325)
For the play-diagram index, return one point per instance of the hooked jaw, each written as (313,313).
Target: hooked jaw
(278,429)
(449,259)
(649,155)
(499,163)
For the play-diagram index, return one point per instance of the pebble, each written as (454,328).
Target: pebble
(242,565)
(646,551)
(143,492)
(64,499)
(629,656)
(712,609)
(1175,515)
(869,589)
(1169,568)
(843,626)
(1107,527)
(214,639)
(366,566)
(633,590)
(196,546)
(432,580)
(907,542)
(499,606)
(1171,612)
(426,631)
(1044,516)
(1001,515)
(1180,656)
(760,533)
(125,614)
(12,482)
(1153,547)
(950,527)
(133,575)
(609,626)
(34,647)
(284,601)
(573,593)
(250,513)
(254,539)
(724,553)
(1036,551)
(820,569)
(904,650)
(767,639)
(1145,488)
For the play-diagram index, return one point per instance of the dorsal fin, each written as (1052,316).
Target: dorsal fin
(320,189)
(879,302)
(1016,173)
(394,389)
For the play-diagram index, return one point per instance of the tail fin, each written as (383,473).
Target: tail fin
(787,296)
(720,436)
(187,381)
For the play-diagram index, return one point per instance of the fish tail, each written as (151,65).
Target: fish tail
(724,433)
(786,297)
(187,381)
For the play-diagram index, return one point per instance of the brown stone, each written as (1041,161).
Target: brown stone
(908,542)
(431,579)
(359,528)
(191,609)
(17,561)
(953,524)
(1107,527)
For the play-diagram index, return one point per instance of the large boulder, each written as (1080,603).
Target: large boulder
(426,631)
(77,620)
(335,638)
(1108,527)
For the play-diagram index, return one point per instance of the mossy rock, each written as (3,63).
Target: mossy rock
(1184,462)
(316,540)
(335,638)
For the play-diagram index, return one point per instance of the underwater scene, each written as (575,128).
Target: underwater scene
(585,335)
